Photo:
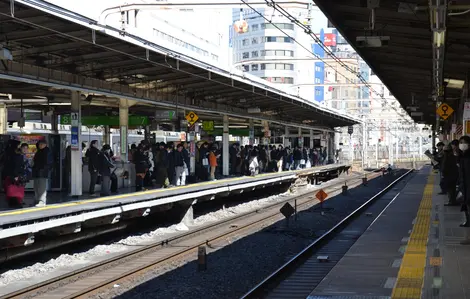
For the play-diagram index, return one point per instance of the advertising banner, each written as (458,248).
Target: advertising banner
(330,39)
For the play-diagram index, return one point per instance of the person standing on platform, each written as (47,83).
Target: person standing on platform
(204,158)
(233,158)
(14,175)
(450,175)
(187,159)
(105,170)
(213,162)
(438,156)
(93,157)
(161,164)
(141,167)
(178,162)
(42,163)
(464,179)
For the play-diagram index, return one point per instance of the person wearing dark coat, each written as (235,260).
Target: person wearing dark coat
(14,173)
(438,157)
(464,178)
(187,157)
(93,156)
(297,157)
(42,163)
(105,170)
(450,175)
(142,165)
(178,162)
(204,160)
(161,165)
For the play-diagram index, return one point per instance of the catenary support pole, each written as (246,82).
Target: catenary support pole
(225,147)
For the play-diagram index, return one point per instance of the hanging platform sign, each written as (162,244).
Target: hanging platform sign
(74,143)
(113,121)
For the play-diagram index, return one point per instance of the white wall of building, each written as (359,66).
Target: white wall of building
(201,34)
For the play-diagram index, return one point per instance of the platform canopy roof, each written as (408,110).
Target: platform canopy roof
(406,64)
(55,50)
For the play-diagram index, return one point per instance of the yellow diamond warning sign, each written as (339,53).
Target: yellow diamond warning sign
(192,118)
(444,111)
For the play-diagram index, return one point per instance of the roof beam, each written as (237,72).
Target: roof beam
(38,33)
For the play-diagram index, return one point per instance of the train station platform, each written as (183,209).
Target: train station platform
(69,217)
(412,250)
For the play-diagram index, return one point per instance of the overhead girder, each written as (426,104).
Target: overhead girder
(38,33)
(174,70)
(47,49)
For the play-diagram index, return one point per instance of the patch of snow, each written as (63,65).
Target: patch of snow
(239,209)
(100,252)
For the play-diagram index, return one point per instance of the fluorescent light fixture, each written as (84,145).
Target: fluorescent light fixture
(439,38)
(454,83)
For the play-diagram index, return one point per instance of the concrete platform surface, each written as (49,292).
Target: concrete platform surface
(371,267)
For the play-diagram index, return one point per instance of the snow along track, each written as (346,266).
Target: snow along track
(103,273)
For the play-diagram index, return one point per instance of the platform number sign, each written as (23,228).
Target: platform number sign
(350,130)
(444,111)
(192,118)
(74,118)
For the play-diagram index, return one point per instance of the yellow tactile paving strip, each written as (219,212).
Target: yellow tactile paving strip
(410,279)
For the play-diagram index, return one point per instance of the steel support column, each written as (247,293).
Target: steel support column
(76,172)
(252,131)
(225,147)
(3,119)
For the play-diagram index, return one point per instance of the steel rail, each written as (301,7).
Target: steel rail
(276,277)
(172,240)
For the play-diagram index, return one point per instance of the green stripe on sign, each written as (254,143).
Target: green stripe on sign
(134,121)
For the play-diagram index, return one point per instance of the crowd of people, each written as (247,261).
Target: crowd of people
(453,162)
(158,165)
(167,164)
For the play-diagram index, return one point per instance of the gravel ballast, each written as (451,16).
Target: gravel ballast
(35,272)
(239,265)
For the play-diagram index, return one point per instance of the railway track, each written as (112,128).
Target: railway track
(98,277)
(298,277)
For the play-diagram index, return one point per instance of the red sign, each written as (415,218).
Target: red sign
(321,195)
(330,40)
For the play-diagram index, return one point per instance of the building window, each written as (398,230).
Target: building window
(246,55)
(245,42)
(246,68)
(281,80)
(254,67)
(254,27)
(254,41)
(278,39)
(277,26)
(254,54)
(277,66)
(288,53)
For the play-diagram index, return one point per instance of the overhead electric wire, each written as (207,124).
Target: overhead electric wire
(307,30)
(315,37)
